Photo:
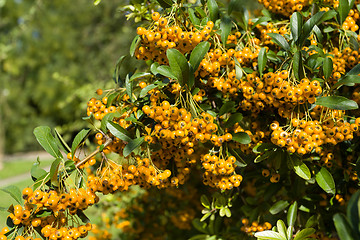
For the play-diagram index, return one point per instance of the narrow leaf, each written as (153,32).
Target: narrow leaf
(280,41)
(134,45)
(327,67)
(296,23)
(132,145)
(79,138)
(337,102)
(292,214)
(262,59)
(118,131)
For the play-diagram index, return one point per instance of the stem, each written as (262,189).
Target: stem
(108,141)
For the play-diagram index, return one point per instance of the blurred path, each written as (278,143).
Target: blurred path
(15,179)
(30,156)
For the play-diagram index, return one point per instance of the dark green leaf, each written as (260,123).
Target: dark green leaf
(337,102)
(205,201)
(296,23)
(14,192)
(132,145)
(234,118)
(45,138)
(241,137)
(280,41)
(353,213)
(129,87)
(193,18)
(139,75)
(118,131)
(267,154)
(213,10)
(343,9)
(343,227)
(201,12)
(327,67)
(225,26)
(262,59)
(325,180)
(297,65)
(134,45)
(179,66)
(82,216)
(262,147)
(79,138)
(227,108)
(146,89)
(278,207)
(198,54)
(165,3)
(54,171)
(116,76)
(292,214)
(166,71)
(355,70)
(312,222)
(108,117)
(318,33)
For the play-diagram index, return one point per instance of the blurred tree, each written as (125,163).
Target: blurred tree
(52,53)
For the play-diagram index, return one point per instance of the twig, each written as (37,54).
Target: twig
(108,141)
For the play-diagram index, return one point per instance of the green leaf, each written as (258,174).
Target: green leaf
(179,66)
(263,147)
(262,59)
(337,102)
(354,71)
(47,141)
(325,180)
(222,212)
(199,237)
(165,3)
(241,137)
(267,154)
(166,71)
(227,212)
(347,80)
(278,207)
(292,214)
(227,107)
(200,226)
(213,10)
(118,131)
(139,75)
(153,68)
(61,142)
(129,87)
(238,69)
(14,192)
(353,212)
(37,172)
(54,171)
(296,23)
(297,65)
(134,45)
(97,2)
(146,89)
(280,41)
(82,216)
(116,76)
(269,235)
(198,54)
(205,201)
(225,26)
(108,118)
(301,169)
(132,145)
(327,67)
(206,216)
(305,233)
(281,228)
(193,18)
(234,118)
(260,21)
(343,227)
(312,221)
(343,9)
(78,139)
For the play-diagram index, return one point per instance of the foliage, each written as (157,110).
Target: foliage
(241,127)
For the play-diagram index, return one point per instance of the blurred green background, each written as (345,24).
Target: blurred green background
(53,57)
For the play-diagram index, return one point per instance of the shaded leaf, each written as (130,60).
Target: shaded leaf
(280,41)
(132,145)
(347,80)
(353,212)
(193,18)
(225,26)
(343,227)
(179,66)
(213,10)
(296,23)
(234,118)
(327,67)
(165,3)
(241,137)
(262,59)
(297,65)
(278,207)
(227,107)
